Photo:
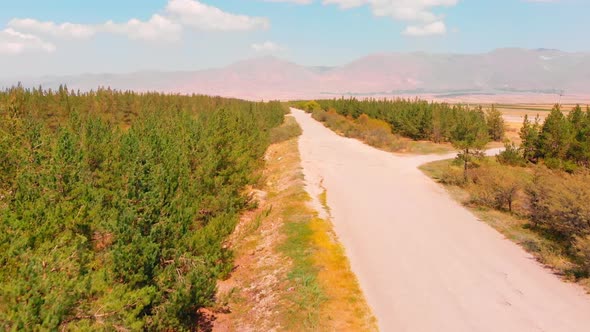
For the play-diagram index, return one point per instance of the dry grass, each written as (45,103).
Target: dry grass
(288,261)
(516,227)
(290,129)
(513,132)
(346,308)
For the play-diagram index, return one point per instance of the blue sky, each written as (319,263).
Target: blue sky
(40,37)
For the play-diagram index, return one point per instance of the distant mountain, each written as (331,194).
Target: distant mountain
(507,71)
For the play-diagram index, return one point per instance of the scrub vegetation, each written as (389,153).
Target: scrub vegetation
(536,193)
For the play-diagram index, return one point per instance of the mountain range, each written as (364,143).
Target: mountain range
(503,74)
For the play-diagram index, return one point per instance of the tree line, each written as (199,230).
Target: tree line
(422,120)
(562,141)
(114,205)
(469,129)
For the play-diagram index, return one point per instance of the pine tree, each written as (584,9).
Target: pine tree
(495,123)
(470,135)
(556,136)
(529,135)
(579,151)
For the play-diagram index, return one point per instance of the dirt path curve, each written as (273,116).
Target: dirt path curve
(424,262)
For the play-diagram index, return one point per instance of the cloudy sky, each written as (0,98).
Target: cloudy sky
(59,37)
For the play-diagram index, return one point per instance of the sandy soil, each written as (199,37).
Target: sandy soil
(424,262)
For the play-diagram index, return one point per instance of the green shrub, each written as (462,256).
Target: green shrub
(511,155)
(311,106)
(415,119)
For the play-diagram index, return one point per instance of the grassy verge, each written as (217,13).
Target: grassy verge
(288,259)
(290,129)
(516,225)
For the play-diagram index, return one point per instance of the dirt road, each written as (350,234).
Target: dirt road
(424,262)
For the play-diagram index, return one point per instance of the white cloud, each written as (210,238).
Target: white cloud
(434,28)
(406,10)
(420,12)
(13,43)
(346,4)
(199,15)
(267,46)
(167,26)
(156,28)
(64,30)
(299,2)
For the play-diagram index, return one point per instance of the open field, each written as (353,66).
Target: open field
(516,112)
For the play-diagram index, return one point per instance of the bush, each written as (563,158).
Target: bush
(582,249)
(288,130)
(511,155)
(559,202)
(320,115)
(453,176)
(311,106)
(496,187)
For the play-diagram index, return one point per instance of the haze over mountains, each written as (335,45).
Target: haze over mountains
(500,74)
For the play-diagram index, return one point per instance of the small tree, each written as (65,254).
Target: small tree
(579,151)
(556,136)
(496,125)
(511,155)
(470,136)
(496,187)
(529,135)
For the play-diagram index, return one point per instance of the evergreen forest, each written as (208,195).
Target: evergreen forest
(114,205)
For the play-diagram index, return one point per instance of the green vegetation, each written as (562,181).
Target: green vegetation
(470,135)
(310,106)
(309,295)
(380,123)
(495,123)
(114,206)
(376,133)
(562,142)
(415,119)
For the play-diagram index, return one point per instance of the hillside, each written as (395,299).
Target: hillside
(502,74)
